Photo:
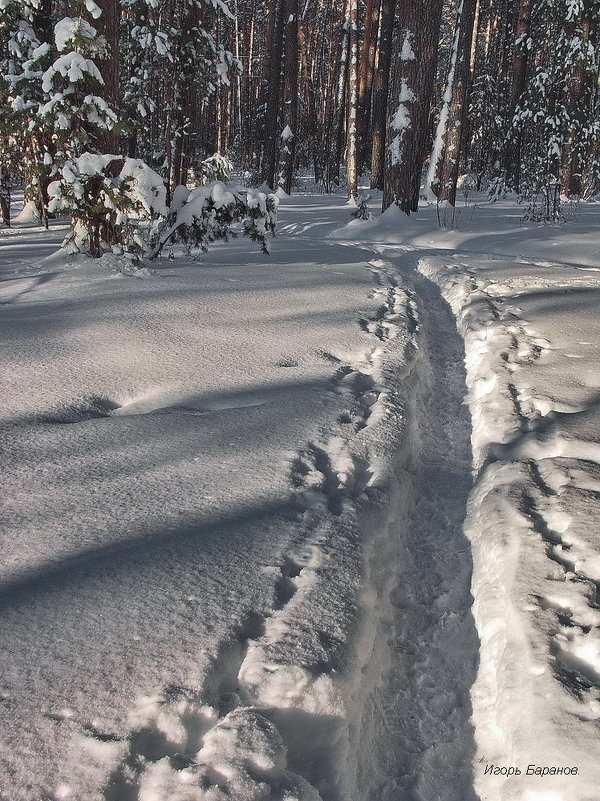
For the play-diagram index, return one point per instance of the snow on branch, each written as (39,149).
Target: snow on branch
(114,203)
(206,214)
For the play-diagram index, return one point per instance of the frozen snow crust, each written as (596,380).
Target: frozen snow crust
(236,558)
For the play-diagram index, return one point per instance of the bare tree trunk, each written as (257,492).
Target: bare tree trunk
(380,92)
(351,130)
(289,134)
(5,195)
(365,81)
(272,109)
(333,165)
(579,99)
(408,131)
(458,105)
(107,25)
(519,83)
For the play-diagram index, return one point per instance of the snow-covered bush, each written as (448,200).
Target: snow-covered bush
(361,212)
(215,168)
(109,198)
(206,214)
(113,202)
(545,206)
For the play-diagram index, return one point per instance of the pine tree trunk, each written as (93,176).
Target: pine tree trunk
(339,119)
(290,99)
(272,109)
(351,129)
(380,92)
(579,100)
(365,81)
(512,153)
(408,130)
(5,195)
(458,104)
(107,25)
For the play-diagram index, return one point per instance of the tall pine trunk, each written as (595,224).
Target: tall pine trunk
(107,25)
(580,99)
(273,100)
(512,152)
(351,129)
(457,110)
(289,134)
(365,79)
(380,92)
(408,129)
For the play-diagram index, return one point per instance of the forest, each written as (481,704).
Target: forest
(417,97)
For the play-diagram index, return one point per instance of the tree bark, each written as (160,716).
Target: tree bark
(5,195)
(290,99)
(457,111)
(579,99)
(408,129)
(107,25)
(351,128)
(272,108)
(512,152)
(365,81)
(380,92)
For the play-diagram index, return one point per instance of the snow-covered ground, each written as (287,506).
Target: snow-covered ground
(256,546)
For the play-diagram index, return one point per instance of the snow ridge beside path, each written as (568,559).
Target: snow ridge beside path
(536,700)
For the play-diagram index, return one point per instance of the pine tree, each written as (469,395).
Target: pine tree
(380,92)
(457,107)
(408,127)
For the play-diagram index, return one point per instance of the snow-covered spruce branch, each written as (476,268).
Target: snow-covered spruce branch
(206,214)
(110,198)
(114,200)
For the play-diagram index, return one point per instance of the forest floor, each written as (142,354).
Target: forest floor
(313,525)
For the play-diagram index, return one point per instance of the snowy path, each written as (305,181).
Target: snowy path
(423,734)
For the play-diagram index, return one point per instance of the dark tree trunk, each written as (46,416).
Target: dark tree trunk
(380,92)
(5,195)
(579,99)
(273,104)
(409,112)
(365,81)
(457,111)
(512,153)
(290,99)
(107,25)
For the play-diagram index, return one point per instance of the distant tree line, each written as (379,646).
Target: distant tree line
(415,93)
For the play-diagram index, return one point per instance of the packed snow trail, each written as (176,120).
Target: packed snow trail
(423,737)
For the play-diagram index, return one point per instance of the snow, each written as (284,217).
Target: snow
(536,440)
(407,52)
(255,543)
(68,29)
(71,65)
(287,133)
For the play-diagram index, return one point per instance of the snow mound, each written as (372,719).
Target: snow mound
(535,562)
(28,214)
